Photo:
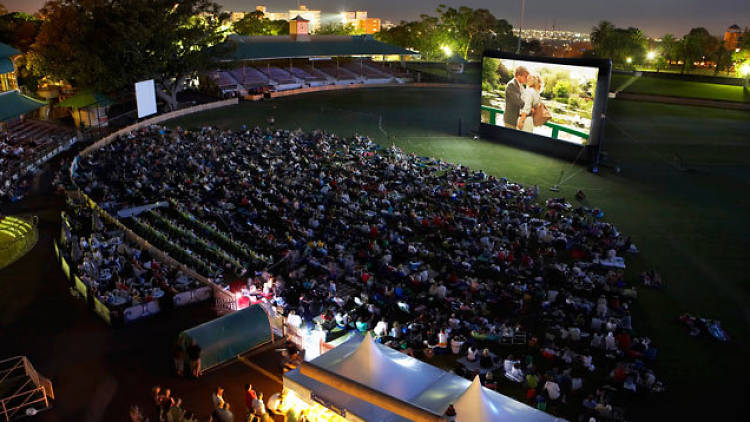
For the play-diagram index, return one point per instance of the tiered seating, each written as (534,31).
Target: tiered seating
(368,74)
(396,73)
(365,71)
(24,146)
(317,73)
(124,280)
(249,77)
(341,74)
(209,249)
(281,76)
(224,81)
(313,79)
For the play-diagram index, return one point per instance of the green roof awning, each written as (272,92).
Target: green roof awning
(6,65)
(8,51)
(284,47)
(14,104)
(86,98)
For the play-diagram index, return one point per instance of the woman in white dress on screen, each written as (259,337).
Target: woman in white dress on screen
(531,99)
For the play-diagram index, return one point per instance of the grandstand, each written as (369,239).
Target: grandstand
(24,146)
(260,64)
(25,143)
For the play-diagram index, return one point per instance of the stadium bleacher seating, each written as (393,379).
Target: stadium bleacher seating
(342,75)
(25,145)
(249,77)
(310,78)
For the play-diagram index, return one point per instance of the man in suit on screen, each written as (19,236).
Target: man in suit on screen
(513,101)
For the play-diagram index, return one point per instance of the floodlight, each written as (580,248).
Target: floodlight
(447,50)
(629,60)
(651,55)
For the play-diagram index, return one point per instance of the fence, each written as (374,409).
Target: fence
(45,154)
(556,128)
(221,296)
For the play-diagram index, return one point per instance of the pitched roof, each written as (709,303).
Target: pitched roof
(85,98)
(8,51)
(479,404)
(405,378)
(14,104)
(6,65)
(284,47)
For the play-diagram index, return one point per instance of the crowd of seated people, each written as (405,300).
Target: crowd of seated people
(433,257)
(117,272)
(16,154)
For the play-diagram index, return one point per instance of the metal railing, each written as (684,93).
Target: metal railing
(556,128)
(35,390)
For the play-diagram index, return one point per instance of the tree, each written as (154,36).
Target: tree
(423,36)
(618,44)
(466,31)
(107,45)
(601,38)
(696,45)
(461,26)
(500,37)
(722,57)
(3,10)
(337,28)
(255,23)
(669,48)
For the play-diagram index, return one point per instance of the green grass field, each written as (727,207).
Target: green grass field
(678,88)
(680,194)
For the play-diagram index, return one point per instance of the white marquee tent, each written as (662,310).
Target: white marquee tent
(363,363)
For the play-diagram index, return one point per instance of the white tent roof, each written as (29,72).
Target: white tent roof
(393,373)
(479,404)
(405,378)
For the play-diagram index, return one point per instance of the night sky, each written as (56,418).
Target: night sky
(654,17)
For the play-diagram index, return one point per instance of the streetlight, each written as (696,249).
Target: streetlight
(650,55)
(629,60)
(745,72)
(447,50)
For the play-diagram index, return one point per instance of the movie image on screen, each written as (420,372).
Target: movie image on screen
(552,100)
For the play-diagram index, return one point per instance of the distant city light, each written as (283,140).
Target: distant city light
(629,60)
(447,50)
(651,55)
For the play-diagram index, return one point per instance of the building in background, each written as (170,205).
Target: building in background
(274,16)
(313,16)
(361,22)
(357,18)
(236,16)
(732,37)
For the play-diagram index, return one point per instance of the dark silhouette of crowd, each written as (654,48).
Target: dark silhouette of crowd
(431,257)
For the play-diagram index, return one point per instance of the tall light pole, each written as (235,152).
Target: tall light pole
(520,27)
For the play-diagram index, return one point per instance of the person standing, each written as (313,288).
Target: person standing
(250,395)
(194,354)
(259,407)
(217,398)
(513,101)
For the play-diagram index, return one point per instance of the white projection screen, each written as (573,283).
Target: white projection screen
(145,97)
